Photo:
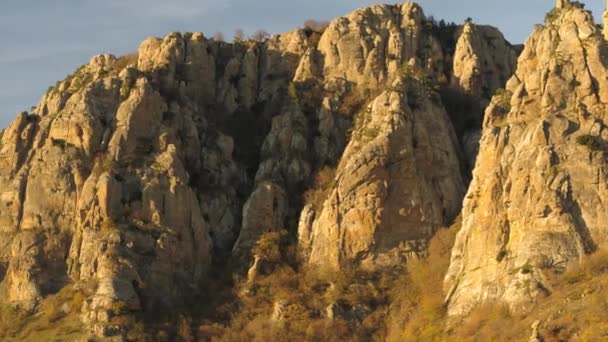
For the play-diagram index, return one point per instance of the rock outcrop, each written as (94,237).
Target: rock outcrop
(483,62)
(134,174)
(126,177)
(368,46)
(535,204)
(605,21)
(562,3)
(387,199)
(397,182)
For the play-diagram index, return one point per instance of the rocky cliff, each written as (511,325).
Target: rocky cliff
(399,178)
(535,205)
(135,175)
(126,180)
(397,182)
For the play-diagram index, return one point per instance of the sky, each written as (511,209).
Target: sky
(45,40)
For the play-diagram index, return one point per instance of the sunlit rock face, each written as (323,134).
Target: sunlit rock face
(535,204)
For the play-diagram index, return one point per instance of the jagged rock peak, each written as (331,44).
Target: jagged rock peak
(482,63)
(605,20)
(535,204)
(372,43)
(483,60)
(398,181)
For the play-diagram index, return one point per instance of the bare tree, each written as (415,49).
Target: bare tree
(260,35)
(219,37)
(239,35)
(315,25)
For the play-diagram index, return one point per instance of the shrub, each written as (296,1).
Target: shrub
(187,35)
(106,164)
(593,265)
(526,268)
(553,171)
(219,37)
(239,36)
(407,70)
(292,91)
(53,311)
(78,79)
(323,184)
(501,122)
(125,89)
(268,246)
(418,298)
(260,35)
(486,323)
(137,332)
(126,60)
(591,142)
(108,224)
(552,15)
(77,300)
(318,26)
(48,322)
(502,98)
(61,144)
(360,124)
(119,308)
(502,254)
(184,329)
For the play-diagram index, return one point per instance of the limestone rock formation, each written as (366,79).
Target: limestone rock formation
(95,190)
(397,182)
(535,204)
(483,62)
(605,21)
(357,57)
(562,3)
(126,175)
(134,174)
(375,214)
(371,44)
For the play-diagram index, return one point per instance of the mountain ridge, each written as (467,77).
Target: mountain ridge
(276,188)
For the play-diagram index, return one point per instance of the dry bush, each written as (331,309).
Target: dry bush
(323,184)
(308,291)
(410,306)
(576,310)
(485,323)
(315,25)
(56,318)
(239,35)
(219,37)
(268,246)
(108,224)
(10,319)
(418,299)
(184,329)
(592,266)
(126,60)
(260,35)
